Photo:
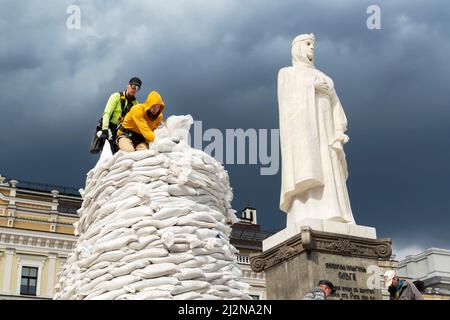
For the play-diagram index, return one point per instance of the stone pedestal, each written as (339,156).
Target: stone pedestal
(292,268)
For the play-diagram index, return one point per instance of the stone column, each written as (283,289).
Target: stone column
(8,271)
(51,273)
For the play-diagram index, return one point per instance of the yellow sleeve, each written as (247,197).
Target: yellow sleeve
(142,126)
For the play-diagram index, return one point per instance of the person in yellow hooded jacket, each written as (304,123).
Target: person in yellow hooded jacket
(137,129)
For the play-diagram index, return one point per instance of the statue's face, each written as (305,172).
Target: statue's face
(303,49)
(307,48)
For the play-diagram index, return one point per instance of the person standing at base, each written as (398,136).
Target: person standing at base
(400,289)
(137,129)
(321,292)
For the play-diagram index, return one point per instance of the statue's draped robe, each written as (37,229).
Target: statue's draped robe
(314,170)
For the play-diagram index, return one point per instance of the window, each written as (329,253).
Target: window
(28,282)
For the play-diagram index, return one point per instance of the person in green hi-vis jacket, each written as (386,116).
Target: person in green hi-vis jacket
(118,105)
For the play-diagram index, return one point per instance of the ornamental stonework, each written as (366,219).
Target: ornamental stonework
(310,240)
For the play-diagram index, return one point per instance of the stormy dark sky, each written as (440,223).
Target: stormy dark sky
(218,61)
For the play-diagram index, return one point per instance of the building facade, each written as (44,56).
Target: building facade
(430,270)
(247,237)
(37,235)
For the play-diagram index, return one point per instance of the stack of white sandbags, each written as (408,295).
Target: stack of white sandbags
(155,225)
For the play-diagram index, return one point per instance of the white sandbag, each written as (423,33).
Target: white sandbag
(213,242)
(127,191)
(116,177)
(111,256)
(132,179)
(136,212)
(203,233)
(159,196)
(129,267)
(223,280)
(189,273)
(142,242)
(131,202)
(210,276)
(146,253)
(108,235)
(136,156)
(181,190)
(87,262)
(154,294)
(169,212)
(238,285)
(117,283)
(116,244)
(110,295)
(122,165)
(179,247)
(211,217)
(194,242)
(221,256)
(155,173)
(189,286)
(156,270)
(187,296)
(94,294)
(178,127)
(163,145)
(151,283)
(93,274)
(213,267)
(160,224)
(151,161)
(168,238)
(186,221)
(204,251)
(121,224)
(142,232)
(105,193)
(178,230)
(191,264)
(88,288)
(176,258)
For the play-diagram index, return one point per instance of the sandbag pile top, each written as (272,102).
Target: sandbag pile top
(155,224)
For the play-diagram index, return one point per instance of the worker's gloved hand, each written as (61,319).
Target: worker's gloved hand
(104,135)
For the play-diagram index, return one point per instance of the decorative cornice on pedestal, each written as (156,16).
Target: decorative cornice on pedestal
(310,240)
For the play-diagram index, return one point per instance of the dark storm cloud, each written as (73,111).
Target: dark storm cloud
(218,60)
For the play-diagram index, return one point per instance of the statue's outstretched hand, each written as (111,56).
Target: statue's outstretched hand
(340,140)
(343,137)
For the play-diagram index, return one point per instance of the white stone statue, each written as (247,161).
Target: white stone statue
(312,134)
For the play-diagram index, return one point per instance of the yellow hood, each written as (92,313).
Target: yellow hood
(152,99)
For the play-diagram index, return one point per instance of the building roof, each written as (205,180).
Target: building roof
(44,187)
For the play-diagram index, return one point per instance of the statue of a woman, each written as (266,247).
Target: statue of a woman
(312,134)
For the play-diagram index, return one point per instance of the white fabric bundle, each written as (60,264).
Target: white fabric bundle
(155,224)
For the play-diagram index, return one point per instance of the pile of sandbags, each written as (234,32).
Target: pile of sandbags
(155,225)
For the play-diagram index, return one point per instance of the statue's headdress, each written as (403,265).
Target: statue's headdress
(304,37)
